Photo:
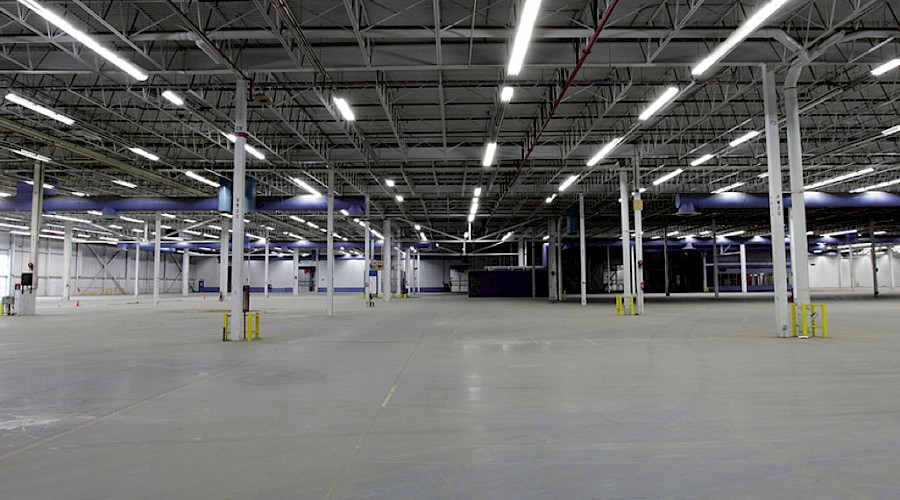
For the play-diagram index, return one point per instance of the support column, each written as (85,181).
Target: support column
(266,268)
(715,251)
(223,261)
(534,265)
(626,237)
(582,244)
(329,252)
(238,179)
(560,285)
(874,262)
(157,255)
(419,272)
(891,263)
(666,259)
(386,262)
(137,265)
(67,263)
(852,270)
(37,208)
(185,272)
(799,245)
(367,253)
(551,262)
(743,268)
(776,204)
(399,266)
(296,260)
(638,240)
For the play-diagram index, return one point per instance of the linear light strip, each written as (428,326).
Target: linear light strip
(840,178)
(523,36)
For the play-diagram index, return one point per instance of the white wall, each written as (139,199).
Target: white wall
(88,274)
(823,271)
(348,273)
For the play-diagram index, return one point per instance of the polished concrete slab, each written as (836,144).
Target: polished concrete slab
(442,396)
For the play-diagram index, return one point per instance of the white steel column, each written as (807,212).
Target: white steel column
(743,268)
(185,272)
(157,254)
(799,247)
(399,268)
(266,268)
(560,285)
(67,263)
(533,253)
(367,253)
(638,240)
(582,244)
(852,270)
(137,265)
(776,204)
(296,261)
(874,261)
(552,294)
(419,272)
(715,250)
(626,237)
(37,208)
(386,262)
(890,252)
(238,209)
(223,261)
(329,252)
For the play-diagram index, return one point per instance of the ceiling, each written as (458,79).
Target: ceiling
(423,79)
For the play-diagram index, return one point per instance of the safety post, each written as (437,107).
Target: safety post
(621,301)
(814,322)
(250,323)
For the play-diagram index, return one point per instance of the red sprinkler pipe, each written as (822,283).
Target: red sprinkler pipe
(559,98)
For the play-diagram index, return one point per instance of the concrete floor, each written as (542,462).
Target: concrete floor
(448,397)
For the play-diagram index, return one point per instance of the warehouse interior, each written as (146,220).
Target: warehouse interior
(449,249)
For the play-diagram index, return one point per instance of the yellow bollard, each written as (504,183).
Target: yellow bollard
(621,304)
(225,328)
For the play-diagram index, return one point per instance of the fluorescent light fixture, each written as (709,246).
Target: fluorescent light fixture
(145,154)
(876,186)
(115,226)
(506,236)
(95,212)
(671,175)
(604,151)
(703,159)
(744,138)
(309,189)
(489,151)
(890,131)
(389,183)
(163,226)
(213,226)
(840,233)
(65,217)
(546,237)
(506,94)
(130,219)
(345,212)
(200,178)
(51,17)
(673,233)
(417,227)
(399,198)
(167,216)
(192,232)
(298,219)
(568,182)
(344,108)
(762,175)
(33,156)
(79,194)
(884,68)
(173,98)
(879,233)
(46,186)
(477,192)
(129,185)
(422,236)
(732,233)
(840,178)
(550,198)
(471,218)
(658,104)
(312,224)
(728,188)
(4,195)
(474,208)
(523,36)
(254,152)
(749,26)
(226,215)
(207,235)
(190,221)
(37,108)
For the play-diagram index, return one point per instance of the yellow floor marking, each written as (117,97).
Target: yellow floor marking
(387,399)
